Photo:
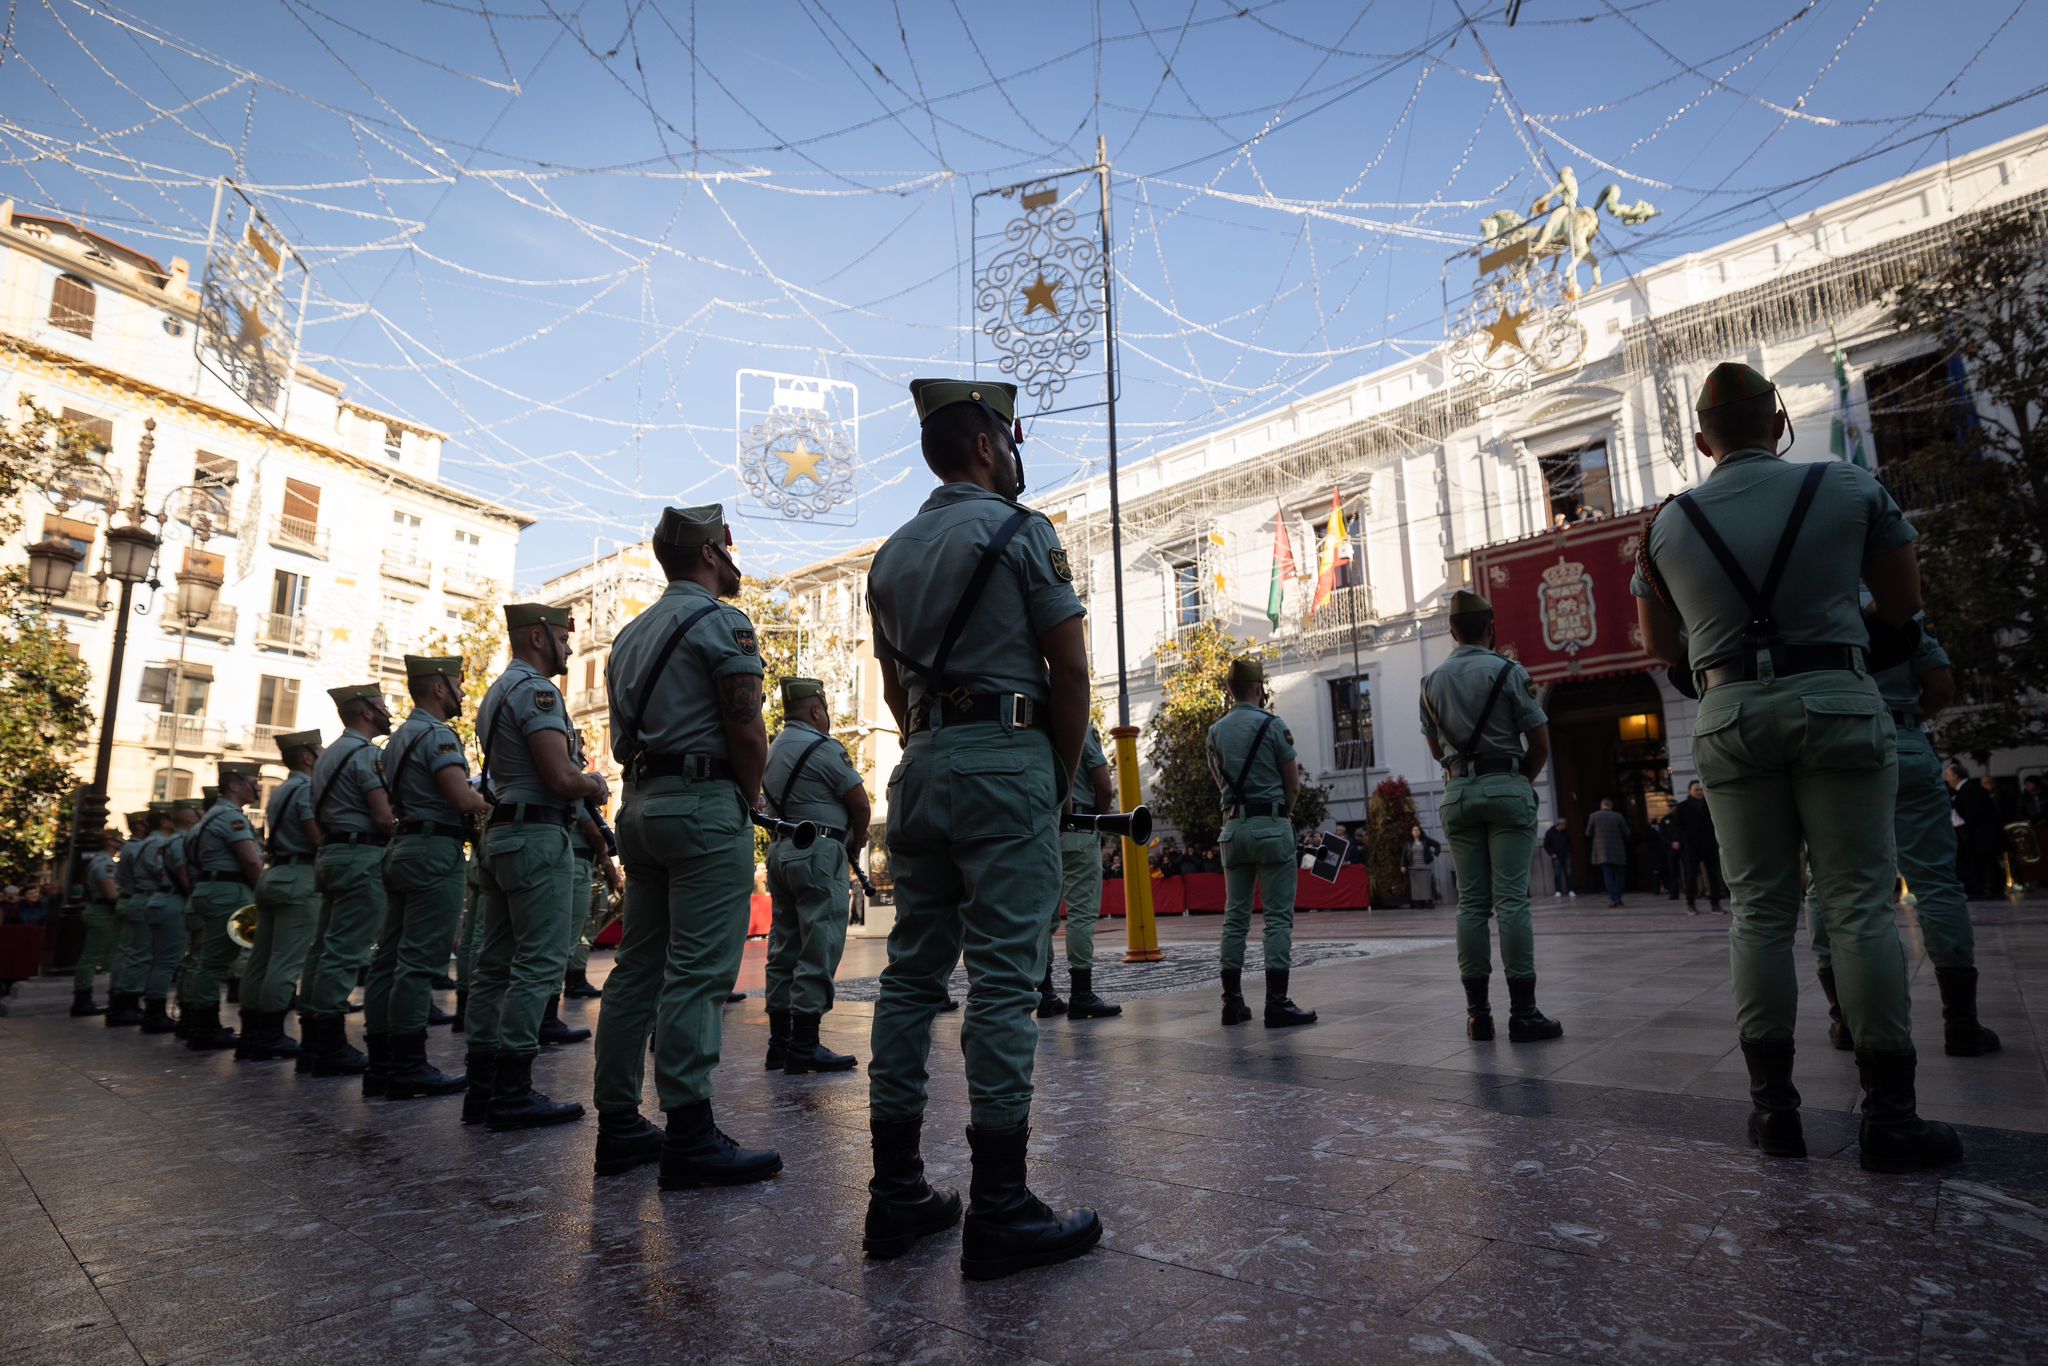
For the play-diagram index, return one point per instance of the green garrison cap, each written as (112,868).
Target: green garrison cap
(930,395)
(420,668)
(692,527)
(160,806)
(357,692)
(1464,603)
(298,739)
(207,795)
(1246,672)
(795,690)
(520,615)
(140,817)
(198,803)
(1731,382)
(238,768)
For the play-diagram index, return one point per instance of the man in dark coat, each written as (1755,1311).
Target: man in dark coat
(1698,851)
(1980,839)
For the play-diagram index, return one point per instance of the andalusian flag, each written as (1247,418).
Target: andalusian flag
(1843,437)
(1336,553)
(1284,571)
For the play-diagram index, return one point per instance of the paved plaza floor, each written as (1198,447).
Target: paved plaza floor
(1373,1188)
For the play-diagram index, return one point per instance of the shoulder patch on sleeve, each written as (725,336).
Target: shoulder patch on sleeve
(239,824)
(449,748)
(1062,568)
(743,636)
(545,699)
(1288,734)
(377,764)
(1530,684)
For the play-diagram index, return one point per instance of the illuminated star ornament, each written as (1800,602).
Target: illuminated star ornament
(801,462)
(1040,295)
(1506,330)
(253,329)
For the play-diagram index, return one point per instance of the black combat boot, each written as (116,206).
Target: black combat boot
(733,998)
(436,1017)
(333,1055)
(1838,1028)
(1008,1228)
(377,1070)
(1478,1010)
(309,1039)
(1527,1024)
(1774,1125)
(461,1020)
(1235,1011)
(124,1008)
(552,1030)
(476,1101)
(203,1030)
(263,1037)
(1962,1035)
(82,1005)
(179,1029)
(412,1076)
(1049,1002)
(696,1152)
(806,1054)
(1894,1138)
(234,991)
(514,1102)
(1082,1002)
(1281,1012)
(576,986)
(778,1039)
(902,1206)
(952,1003)
(156,1016)
(625,1141)
(441,981)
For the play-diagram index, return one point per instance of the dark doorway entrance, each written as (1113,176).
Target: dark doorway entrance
(1607,740)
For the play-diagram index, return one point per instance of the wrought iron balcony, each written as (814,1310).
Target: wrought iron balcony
(462,580)
(305,536)
(219,624)
(296,635)
(406,567)
(191,734)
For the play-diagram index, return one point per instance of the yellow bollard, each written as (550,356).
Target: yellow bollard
(1141,931)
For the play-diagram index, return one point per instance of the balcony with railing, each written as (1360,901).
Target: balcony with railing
(301,534)
(406,566)
(82,596)
(190,734)
(219,624)
(263,736)
(1332,624)
(1352,755)
(292,634)
(461,579)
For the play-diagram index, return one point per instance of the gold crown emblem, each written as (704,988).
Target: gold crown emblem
(1564,573)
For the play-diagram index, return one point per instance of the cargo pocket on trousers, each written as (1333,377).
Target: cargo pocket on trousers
(993,796)
(1843,733)
(1717,744)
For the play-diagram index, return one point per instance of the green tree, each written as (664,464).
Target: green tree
(1311,807)
(1196,667)
(1386,841)
(1979,495)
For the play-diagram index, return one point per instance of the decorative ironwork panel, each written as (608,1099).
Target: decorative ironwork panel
(1038,287)
(249,314)
(799,446)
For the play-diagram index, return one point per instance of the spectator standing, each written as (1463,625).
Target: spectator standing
(1607,846)
(1693,827)
(1980,840)
(1420,857)
(1557,842)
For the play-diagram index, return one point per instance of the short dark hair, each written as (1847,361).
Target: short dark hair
(948,436)
(1470,627)
(1742,423)
(419,688)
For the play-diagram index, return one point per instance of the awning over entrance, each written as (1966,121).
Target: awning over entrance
(1561,600)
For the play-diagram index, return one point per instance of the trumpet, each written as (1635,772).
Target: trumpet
(1134,825)
(802,833)
(242,928)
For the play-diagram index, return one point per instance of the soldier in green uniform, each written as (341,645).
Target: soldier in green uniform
(353,810)
(1477,708)
(102,887)
(1794,741)
(143,872)
(809,778)
(597,872)
(586,848)
(125,960)
(1251,759)
(533,781)
(1081,889)
(985,667)
(684,680)
(426,778)
(1916,690)
(223,859)
(287,905)
(163,860)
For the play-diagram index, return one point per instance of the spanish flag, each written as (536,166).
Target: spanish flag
(1336,553)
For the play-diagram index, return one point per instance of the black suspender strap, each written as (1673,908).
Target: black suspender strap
(646,694)
(192,844)
(1469,749)
(1763,623)
(796,771)
(391,783)
(1245,769)
(963,611)
(321,794)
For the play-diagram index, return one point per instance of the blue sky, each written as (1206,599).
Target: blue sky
(557,228)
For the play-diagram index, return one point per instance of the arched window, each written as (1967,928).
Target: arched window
(171,784)
(72,305)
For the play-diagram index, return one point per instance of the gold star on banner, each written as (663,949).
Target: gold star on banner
(253,330)
(1506,330)
(1039,295)
(802,463)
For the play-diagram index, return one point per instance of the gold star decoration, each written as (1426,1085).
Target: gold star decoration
(802,463)
(1506,330)
(1039,295)
(253,328)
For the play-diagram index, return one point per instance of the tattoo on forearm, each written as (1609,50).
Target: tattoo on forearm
(743,699)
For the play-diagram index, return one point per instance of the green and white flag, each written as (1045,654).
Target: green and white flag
(1845,439)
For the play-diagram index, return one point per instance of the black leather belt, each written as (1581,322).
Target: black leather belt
(441,828)
(355,837)
(981,709)
(1905,720)
(219,877)
(290,860)
(697,768)
(826,832)
(1249,810)
(1786,660)
(1483,765)
(528,813)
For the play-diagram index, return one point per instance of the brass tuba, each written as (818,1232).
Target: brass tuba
(242,927)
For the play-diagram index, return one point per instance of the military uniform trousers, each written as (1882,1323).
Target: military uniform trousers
(1490,822)
(974,845)
(165,921)
(99,944)
(351,882)
(1811,759)
(423,902)
(811,902)
(132,944)
(212,906)
(523,903)
(1926,844)
(287,913)
(583,887)
(689,854)
(1259,852)
(1081,890)
(468,936)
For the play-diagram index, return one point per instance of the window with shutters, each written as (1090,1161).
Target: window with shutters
(214,471)
(180,690)
(171,784)
(72,305)
(1351,722)
(277,704)
(98,431)
(302,504)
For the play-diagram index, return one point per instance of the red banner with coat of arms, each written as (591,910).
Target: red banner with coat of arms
(1561,600)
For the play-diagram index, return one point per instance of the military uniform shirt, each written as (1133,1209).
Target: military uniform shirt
(124,872)
(423,746)
(1748,499)
(1456,691)
(531,704)
(211,847)
(920,571)
(98,866)
(1228,744)
(682,711)
(291,804)
(827,777)
(342,781)
(1092,758)
(1900,684)
(149,863)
